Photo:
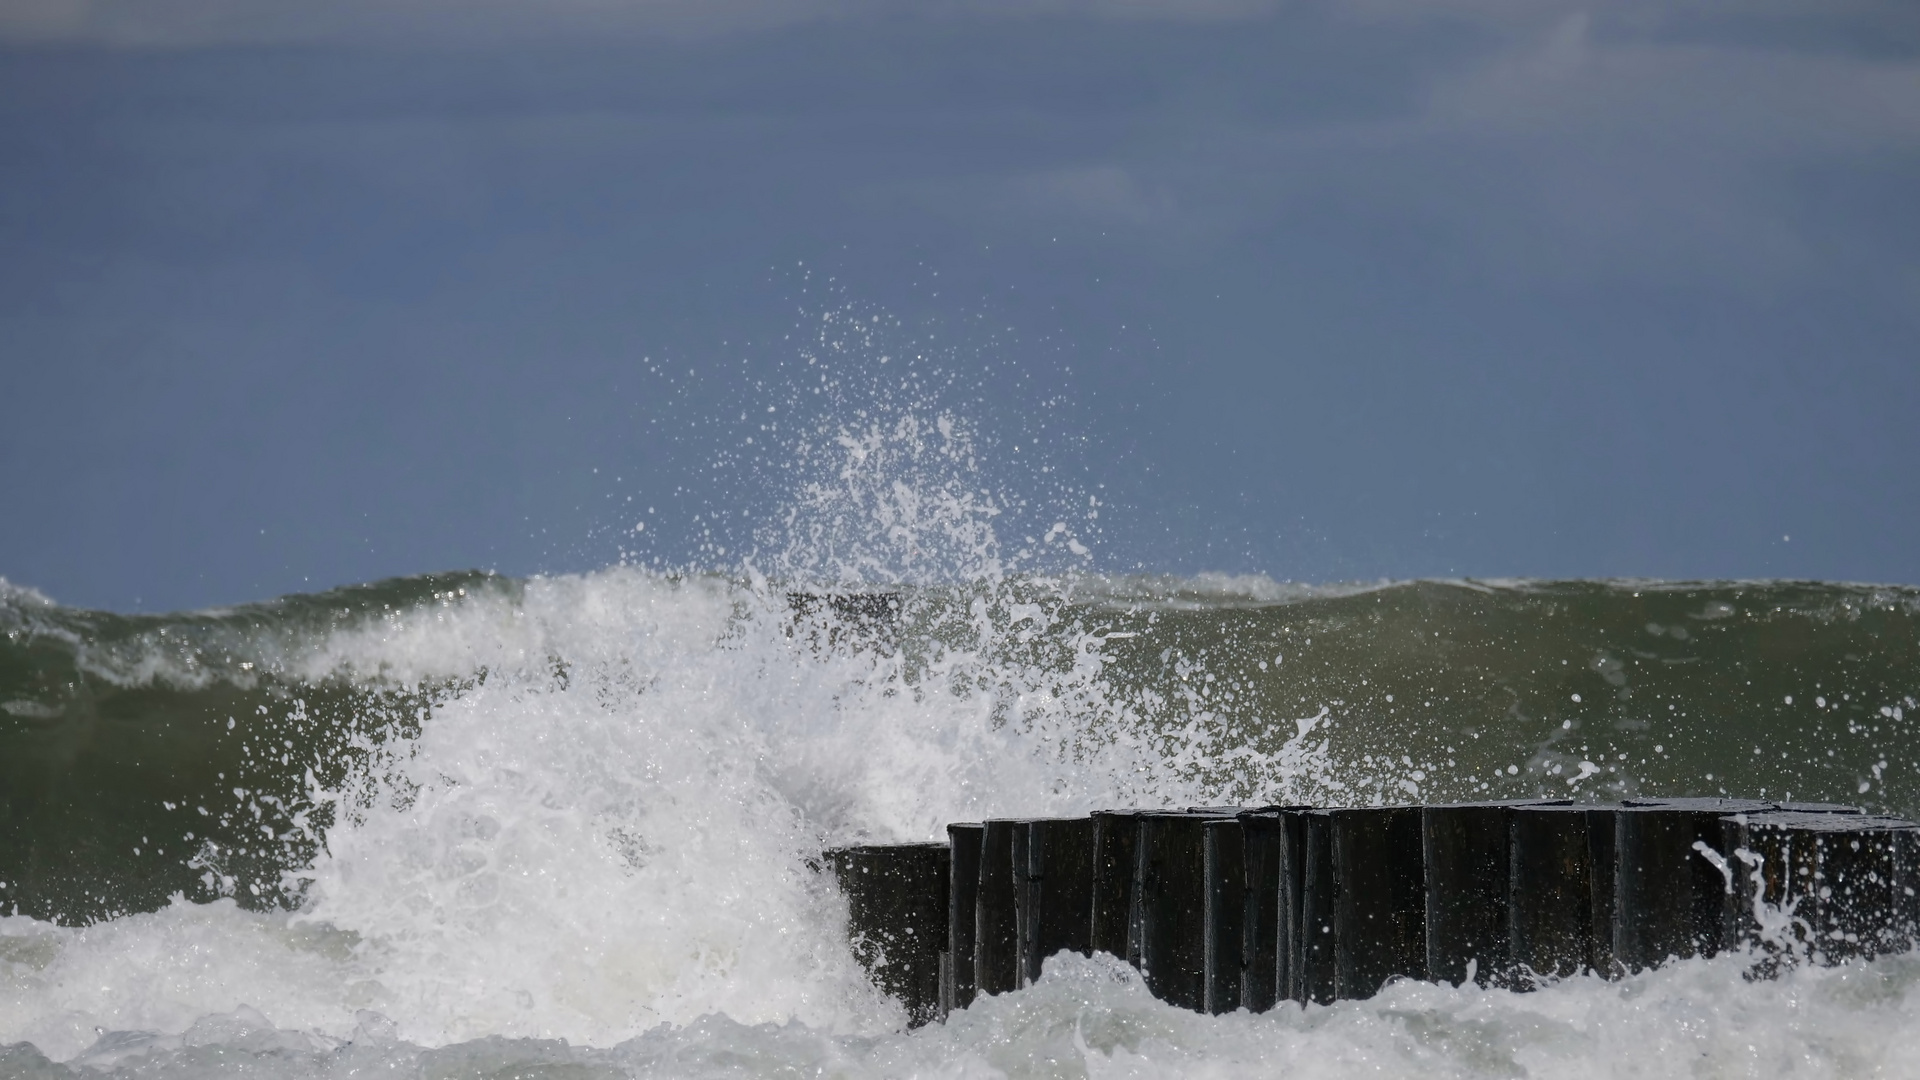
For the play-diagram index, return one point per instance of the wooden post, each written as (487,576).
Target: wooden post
(1314,980)
(1669,896)
(1270,918)
(1468,872)
(1055,890)
(995,934)
(1380,909)
(1550,907)
(1602,825)
(1169,890)
(963,840)
(1848,883)
(1739,922)
(1223,960)
(897,916)
(1114,833)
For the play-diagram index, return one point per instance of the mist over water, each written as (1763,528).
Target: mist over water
(466,825)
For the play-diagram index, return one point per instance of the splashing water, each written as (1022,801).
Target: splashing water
(566,826)
(602,814)
(610,826)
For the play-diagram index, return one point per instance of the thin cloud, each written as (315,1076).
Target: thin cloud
(1568,154)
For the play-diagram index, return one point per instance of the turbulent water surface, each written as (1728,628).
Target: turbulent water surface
(470,826)
(465,825)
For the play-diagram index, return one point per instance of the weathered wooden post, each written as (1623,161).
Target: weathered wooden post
(1313,959)
(1018,847)
(996,960)
(1111,924)
(1551,930)
(1168,894)
(1602,861)
(897,915)
(1223,960)
(1269,921)
(1844,885)
(1053,862)
(1752,869)
(1380,909)
(963,841)
(1669,894)
(1169,891)
(1468,878)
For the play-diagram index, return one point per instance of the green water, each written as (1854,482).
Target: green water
(146,756)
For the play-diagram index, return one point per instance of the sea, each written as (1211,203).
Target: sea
(568,826)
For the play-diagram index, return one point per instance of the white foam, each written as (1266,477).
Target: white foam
(610,826)
(1092,1018)
(25,596)
(613,828)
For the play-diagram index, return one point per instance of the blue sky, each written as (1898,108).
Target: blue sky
(298,295)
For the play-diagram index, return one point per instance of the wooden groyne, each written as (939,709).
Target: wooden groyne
(1222,908)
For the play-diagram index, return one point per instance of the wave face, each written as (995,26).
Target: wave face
(465,824)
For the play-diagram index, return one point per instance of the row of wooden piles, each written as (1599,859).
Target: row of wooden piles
(1229,908)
